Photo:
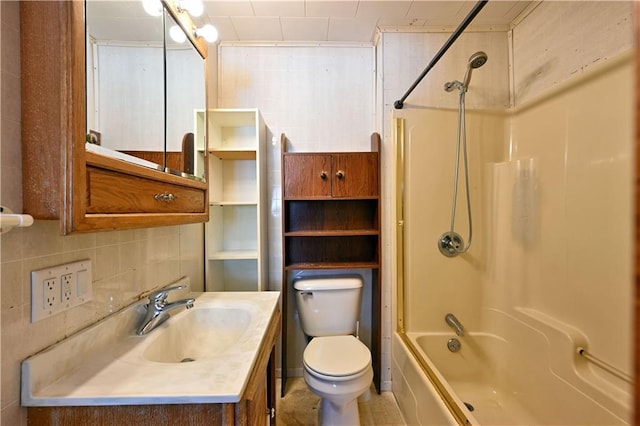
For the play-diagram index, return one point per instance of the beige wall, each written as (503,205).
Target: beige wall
(585,163)
(542,216)
(560,40)
(434,284)
(125,263)
(578,267)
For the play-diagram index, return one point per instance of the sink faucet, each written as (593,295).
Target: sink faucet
(455,324)
(158,308)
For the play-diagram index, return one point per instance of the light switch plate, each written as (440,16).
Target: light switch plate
(58,288)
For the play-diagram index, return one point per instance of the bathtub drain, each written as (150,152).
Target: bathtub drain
(469,406)
(453,345)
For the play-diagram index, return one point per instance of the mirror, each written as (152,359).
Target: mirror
(142,87)
(185,89)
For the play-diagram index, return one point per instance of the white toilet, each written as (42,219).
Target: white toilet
(337,366)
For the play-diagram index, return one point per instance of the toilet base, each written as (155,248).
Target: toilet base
(330,415)
(339,399)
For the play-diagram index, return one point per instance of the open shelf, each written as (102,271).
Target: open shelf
(234,154)
(348,233)
(236,232)
(233,203)
(232,275)
(333,249)
(330,265)
(233,255)
(330,215)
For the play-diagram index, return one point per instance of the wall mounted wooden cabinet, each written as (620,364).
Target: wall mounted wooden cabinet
(331,221)
(335,175)
(86,190)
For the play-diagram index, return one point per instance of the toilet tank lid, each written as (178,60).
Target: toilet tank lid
(327,283)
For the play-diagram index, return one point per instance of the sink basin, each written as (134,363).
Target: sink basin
(198,334)
(202,355)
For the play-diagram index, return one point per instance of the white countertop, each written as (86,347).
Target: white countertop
(104,364)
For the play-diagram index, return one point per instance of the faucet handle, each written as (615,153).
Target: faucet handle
(160,296)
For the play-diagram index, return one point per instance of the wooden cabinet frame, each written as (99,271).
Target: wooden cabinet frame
(333,222)
(55,180)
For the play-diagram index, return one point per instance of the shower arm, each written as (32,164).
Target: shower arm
(463,25)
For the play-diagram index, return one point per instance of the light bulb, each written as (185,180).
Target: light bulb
(152,7)
(177,35)
(194,7)
(208,32)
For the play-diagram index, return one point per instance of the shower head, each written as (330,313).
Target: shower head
(476,60)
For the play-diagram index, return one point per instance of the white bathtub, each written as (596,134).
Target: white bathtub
(523,372)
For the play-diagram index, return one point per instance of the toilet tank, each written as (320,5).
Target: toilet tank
(328,305)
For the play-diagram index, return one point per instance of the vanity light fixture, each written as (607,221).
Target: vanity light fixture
(152,7)
(207,32)
(177,35)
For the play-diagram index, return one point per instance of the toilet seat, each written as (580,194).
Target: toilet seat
(337,357)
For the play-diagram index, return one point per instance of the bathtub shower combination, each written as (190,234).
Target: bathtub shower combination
(504,332)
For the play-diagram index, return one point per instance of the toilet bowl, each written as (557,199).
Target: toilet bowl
(338,370)
(337,365)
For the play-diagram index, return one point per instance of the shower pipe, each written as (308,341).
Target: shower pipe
(463,25)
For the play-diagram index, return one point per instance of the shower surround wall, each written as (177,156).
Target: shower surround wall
(536,273)
(577,144)
(125,263)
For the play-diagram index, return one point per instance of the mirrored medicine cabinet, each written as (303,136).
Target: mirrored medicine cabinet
(109,116)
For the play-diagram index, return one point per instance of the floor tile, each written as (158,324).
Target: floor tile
(300,407)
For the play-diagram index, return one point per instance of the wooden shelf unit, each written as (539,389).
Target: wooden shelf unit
(331,216)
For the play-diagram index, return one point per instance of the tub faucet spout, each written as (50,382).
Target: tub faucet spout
(453,322)
(158,308)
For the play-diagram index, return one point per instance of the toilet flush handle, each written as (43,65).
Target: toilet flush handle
(306,293)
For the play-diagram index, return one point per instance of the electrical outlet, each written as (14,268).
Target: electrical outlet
(50,294)
(67,288)
(59,288)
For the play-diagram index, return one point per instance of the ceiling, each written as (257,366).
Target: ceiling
(344,20)
(307,20)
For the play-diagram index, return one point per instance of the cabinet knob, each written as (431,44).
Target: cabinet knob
(323,175)
(166,197)
(340,174)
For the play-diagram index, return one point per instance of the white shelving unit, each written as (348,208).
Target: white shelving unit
(237,245)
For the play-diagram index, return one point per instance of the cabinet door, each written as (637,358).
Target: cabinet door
(307,175)
(355,175)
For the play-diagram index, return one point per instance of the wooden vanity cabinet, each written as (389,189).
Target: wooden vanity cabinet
(256,406)
(331,220)
(86,191)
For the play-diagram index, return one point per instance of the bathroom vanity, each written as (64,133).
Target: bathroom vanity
(212,364)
